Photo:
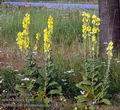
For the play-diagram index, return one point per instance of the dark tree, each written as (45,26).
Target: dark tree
(110,25)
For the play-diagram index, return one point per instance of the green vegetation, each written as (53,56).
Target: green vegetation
(68,73)
(67,23)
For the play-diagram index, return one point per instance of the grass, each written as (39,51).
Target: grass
(67,23)
(66,36)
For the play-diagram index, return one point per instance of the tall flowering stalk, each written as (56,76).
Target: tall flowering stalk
(93,88)
(90,30)
(47,37)
(50,24)
(37,41)
(94,32)
(47,48)
(109,52)
(23,40)
(49,81)
(86,29)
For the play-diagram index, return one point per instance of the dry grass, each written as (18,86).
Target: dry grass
(13,58)
(109,108)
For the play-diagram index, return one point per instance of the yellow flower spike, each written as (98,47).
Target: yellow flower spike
(50,24)
(47,37)
(109,50)
(94,31)
(37,41)
(86,28)
(23,40)
(47,42)
(26,21)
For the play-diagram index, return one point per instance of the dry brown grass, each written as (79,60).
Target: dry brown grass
(109,108)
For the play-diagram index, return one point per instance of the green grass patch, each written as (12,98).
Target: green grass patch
(67,23)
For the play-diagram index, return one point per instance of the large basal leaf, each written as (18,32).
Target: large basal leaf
(85,85)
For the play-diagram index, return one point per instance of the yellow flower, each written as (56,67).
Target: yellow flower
(23,40)
(47,35)
(109,50)
(26,21)
(86,14)
(86,28)
(75,108)
(47,41)
(50,24)
(94,16)
(38,36)
(94,40)
(95,20)
(95,30)
(85,19)
(20,40)
(37,41)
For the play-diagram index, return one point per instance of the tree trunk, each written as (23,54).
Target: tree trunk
(110,25)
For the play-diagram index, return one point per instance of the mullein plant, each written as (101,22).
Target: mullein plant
(29,79)
(41,86)
(86,29)
(106,81)
(90,30)
(51,87)
(94,85)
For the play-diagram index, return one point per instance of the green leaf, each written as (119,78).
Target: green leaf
(85,85)
(98,86)
(52,84)
(99,95)
(81,99)
(30,86)
(55,91)
(46,100)
(20,88)
(106,101)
